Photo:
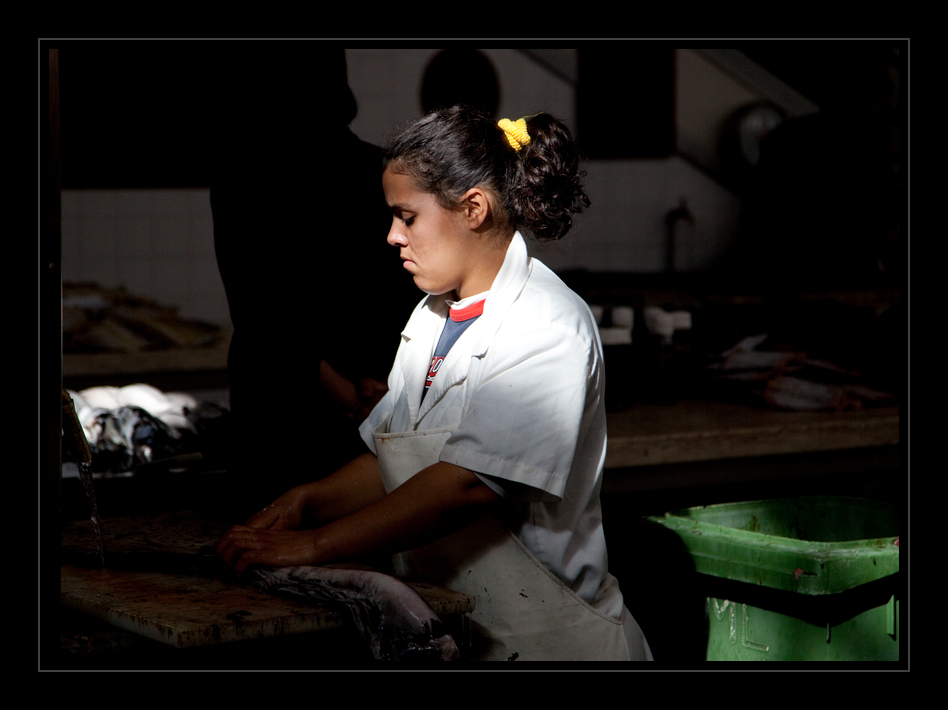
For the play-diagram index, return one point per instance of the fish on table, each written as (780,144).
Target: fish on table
(393,618)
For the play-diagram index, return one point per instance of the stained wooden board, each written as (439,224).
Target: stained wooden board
(179,533)
(188,610)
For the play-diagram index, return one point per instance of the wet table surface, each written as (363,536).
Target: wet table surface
(200,605)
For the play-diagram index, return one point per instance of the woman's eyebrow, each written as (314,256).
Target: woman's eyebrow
(398,208)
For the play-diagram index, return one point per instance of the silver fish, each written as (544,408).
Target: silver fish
(394,620)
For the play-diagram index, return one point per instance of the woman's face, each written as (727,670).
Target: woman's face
(433,242)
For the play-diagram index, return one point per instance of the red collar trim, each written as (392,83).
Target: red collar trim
(462,314)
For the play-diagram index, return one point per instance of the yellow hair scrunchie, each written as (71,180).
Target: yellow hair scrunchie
(516,132)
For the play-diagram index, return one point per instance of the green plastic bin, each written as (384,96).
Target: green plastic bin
(796,579)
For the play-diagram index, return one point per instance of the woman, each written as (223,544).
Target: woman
(487,451)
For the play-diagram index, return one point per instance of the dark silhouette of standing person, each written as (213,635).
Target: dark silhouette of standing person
(300,223)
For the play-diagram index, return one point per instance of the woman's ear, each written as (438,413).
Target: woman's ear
(477,207)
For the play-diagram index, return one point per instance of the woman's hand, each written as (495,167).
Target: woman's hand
(285,513)
(355,399)
(273,537)
(243,546)
(370,392)
(260,541)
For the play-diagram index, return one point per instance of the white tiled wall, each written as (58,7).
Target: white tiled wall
(156,243)
(624,229)
(387,87)
(159,243)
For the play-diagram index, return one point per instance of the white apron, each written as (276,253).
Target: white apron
(523,612)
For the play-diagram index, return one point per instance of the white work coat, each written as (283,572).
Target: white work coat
(522,392)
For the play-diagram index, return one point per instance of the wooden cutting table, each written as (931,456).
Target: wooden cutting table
(201,605)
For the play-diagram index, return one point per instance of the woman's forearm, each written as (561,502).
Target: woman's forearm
(435,502)
(354,486)
(347,490)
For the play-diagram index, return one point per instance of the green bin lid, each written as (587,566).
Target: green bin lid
(809,545)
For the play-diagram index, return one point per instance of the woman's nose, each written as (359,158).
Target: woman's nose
(395,237)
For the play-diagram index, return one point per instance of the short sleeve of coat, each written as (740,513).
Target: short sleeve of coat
(530,403)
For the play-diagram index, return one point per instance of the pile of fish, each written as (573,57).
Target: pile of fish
(396,623)
(791,380)
(139,424)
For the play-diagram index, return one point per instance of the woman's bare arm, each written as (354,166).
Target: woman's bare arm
(435,502)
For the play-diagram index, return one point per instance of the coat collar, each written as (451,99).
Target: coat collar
(506,289)
(421,330)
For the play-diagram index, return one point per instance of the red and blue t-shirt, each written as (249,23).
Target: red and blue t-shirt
(461,318)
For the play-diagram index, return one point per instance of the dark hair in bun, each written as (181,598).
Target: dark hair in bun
(448,152)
